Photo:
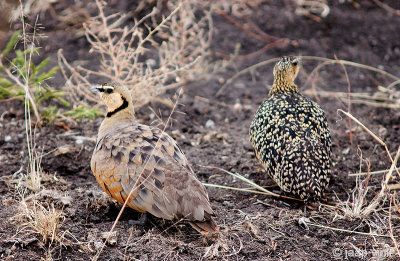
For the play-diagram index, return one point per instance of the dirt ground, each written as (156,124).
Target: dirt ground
(213,131)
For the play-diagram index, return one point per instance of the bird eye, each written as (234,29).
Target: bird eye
(295,63)
(109,90)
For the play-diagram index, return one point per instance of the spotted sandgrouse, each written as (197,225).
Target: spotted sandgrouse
(290,136)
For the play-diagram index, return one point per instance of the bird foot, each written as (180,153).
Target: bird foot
(140,222)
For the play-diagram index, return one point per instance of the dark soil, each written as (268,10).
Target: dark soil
(253,227)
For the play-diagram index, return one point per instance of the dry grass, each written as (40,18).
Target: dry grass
(183,56)
(34,218)
(34,173)
(254,188)
(131,55)
(33,178)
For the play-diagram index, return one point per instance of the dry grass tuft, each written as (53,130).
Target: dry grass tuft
(32,180)
(37,219)
(33,217)
(148,59)
(354,206)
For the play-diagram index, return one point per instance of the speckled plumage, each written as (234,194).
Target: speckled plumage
(130,156)
(290,136)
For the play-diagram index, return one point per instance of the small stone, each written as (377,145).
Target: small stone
(200,106)
(210,124)
(151,62)
(79,141)
(111,237)
(64,149)
(97,245)
(382,132)
(207,137)
(8,138)
(247,145)
(239,85)
(152,116)
(238,107)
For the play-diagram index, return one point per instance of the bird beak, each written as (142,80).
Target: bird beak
(95,88)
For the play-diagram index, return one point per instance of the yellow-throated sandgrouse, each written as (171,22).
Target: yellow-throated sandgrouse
(131,156)
(290,136)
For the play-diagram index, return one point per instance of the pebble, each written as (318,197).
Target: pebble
(151,62)
(210,124)
(238,107)
(247,145)
(111,237)
(79,141)
(8,138)
(382,132)
(97,245)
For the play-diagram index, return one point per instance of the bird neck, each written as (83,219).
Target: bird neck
(121,114)
(283,85)
(283,89)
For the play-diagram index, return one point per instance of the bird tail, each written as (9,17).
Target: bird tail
(205,227)
(309,162)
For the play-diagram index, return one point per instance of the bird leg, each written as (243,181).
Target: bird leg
(140,222)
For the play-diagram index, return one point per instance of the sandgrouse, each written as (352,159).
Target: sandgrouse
(290,136)
(132,156)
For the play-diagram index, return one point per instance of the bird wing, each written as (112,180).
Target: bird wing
(147,162)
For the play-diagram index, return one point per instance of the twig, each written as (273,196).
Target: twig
(236,175)
(248,69)
(394,202)
(345,230)
(326,61)
(384,188)
(348,99)
(396,245)
(368,173)
(387,8)
(261,36)
(250,190)
(359,98)
(373,135)
(281,42)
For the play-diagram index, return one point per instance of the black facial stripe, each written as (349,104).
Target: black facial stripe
(107,90)
(120,108)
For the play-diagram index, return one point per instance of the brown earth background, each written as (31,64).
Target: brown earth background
(212,130)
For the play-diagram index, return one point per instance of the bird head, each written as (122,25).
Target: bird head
(288,68)
(116,96)
(285,72)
